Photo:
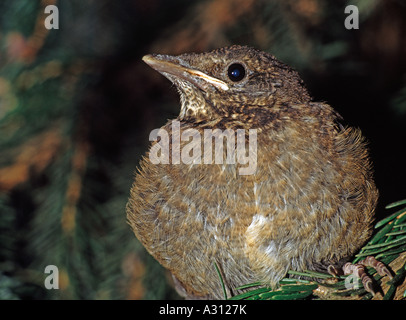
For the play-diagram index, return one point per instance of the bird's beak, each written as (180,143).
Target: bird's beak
(174,67)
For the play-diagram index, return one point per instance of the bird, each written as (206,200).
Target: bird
(307,202)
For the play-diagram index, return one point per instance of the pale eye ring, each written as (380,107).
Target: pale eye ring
(236,72)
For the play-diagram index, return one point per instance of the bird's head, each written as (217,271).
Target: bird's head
(233,82)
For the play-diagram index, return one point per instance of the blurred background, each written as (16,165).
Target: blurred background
(77,105)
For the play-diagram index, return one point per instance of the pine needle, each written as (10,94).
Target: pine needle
(221,280)
(395,204)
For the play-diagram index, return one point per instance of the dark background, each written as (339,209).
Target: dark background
(77,105)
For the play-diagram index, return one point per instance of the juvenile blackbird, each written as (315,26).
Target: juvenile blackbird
(307,205)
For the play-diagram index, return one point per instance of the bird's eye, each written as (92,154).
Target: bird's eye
(236,72)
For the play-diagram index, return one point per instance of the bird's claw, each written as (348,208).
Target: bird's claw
(358,271)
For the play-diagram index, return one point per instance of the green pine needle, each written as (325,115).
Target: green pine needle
(395,204)
(221,280)
(390,218)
